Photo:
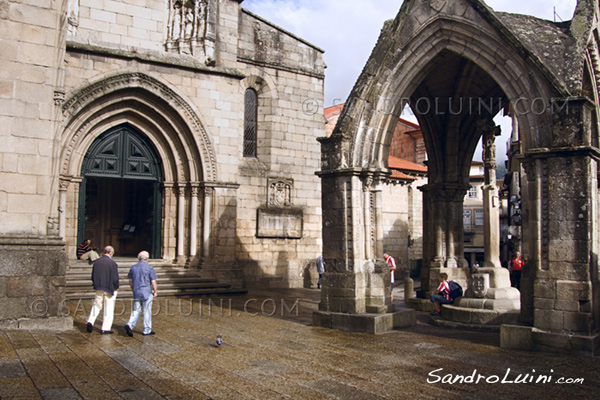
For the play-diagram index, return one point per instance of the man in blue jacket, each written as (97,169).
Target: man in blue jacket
(105,278)
(142,279)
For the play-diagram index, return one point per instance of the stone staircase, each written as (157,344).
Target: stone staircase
(171,280)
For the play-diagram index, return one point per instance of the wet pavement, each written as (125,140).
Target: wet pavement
(271,351)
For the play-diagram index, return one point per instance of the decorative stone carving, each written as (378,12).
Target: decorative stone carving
(480,283)
(280,192)
(187,31)
(73,17)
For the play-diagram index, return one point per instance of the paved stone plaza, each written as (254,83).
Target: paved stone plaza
(278,356)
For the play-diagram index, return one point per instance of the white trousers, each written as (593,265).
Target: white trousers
(90,256)
(105,298)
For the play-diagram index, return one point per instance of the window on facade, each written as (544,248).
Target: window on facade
(250,123)
(478,217)
(473,192)
(467,219)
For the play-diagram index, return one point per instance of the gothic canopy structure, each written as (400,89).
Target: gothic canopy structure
(457,64)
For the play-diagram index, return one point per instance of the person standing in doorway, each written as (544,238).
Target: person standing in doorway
(516,266)
(320,270)
(105,278)
(142,279)
(392,264)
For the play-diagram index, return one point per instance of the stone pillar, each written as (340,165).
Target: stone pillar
(62,208)
(194,219)
(355,290)
(489,298)
(180,223)
(563,222)
(531,201)
(491,198)
(169,236)
(445,220)
(206,220)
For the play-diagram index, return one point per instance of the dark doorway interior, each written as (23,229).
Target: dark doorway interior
(120,199)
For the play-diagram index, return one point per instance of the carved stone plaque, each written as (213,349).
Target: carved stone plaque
(279,223)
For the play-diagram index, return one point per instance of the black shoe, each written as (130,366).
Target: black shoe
(106,332)
(128,331)
(89,327)
(435,313)
(151,333)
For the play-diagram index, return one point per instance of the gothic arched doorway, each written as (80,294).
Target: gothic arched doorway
(120,199)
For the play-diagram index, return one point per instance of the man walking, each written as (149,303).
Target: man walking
(142,279)
(105,278)
(320,270)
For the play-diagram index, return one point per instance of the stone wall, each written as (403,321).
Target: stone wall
(30,59)
(32,282)
(403,216)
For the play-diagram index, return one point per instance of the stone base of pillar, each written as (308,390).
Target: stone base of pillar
(367,322)
(476,319)
(488,301)
(518,337)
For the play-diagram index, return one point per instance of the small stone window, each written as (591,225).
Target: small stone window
(250,123)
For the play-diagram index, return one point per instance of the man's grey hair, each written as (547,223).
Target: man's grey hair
(108,250)
(144,255)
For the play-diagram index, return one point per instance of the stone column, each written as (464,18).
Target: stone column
(491,198)
(369,252)
(180,223)
(62,207)
(206,220)
(194,219)
(353,290)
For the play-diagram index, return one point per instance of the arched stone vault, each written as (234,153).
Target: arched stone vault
(438,54)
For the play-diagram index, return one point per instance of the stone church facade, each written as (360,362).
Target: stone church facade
(185,128)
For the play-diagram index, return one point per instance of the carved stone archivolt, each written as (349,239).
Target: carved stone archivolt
(79,100)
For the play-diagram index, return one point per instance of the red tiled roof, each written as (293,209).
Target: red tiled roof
(333,111)
(402,175)
(409,123)
(401,164)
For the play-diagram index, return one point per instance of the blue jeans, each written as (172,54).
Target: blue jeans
(439,298)
(138,305)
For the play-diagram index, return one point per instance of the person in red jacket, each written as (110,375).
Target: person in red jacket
(516,266)
(389,260)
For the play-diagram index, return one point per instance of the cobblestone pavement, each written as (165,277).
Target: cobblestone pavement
(271,351)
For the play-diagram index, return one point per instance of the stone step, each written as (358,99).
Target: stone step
(127,294)
(171,281)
